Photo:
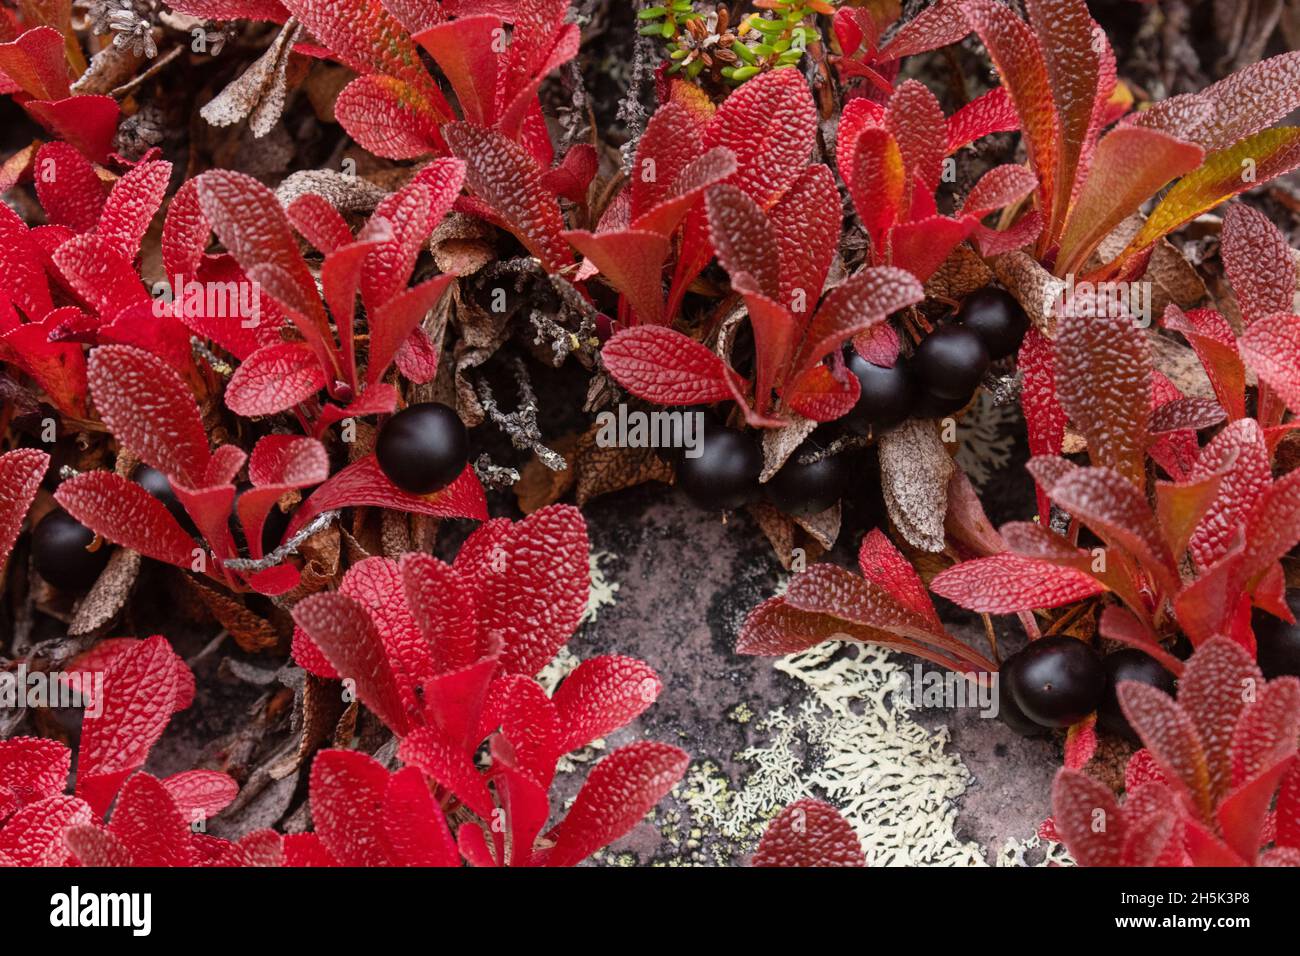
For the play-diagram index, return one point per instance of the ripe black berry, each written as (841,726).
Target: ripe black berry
(1128,664)
(1009,711)
(799,489)
(155,482)
(1277,643)
(929,405)
(725,475)
(950,362)
(1056,681)
(59,552)
(997,318)
(422,448)
(886,395)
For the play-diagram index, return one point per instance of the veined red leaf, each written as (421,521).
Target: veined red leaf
(619,791)
(140,687)
(21,471)
(632,261)
(131,206)
(148,824)
(601,695)
(363,483)
(852,307)
(126,514)
(70,192)
(1103,378)
(1079,803)
(1008,583)
(1271,347)
(1171,737)
(664,366)
(809,833)
(274,378)
(876,178)
(504,176)
(415,829)
(1257,259)
(150,409)
(390,117)
(994,112)
(87,122)
(1215,344)
(347,806)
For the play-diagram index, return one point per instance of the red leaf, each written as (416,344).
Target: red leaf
(149,826)
(33,768)
(131,206)
(774,629)
(33,836)
(993,112)
(619,791)
(344,630)
(150,409)
(87,122)
(347,806)
(1271,347)
(884,566)
(442,609)
(915,120)
(632,261)
(414,826)
(671,141)
(809,833)
(601,695)
(504,176)
(666,367)
(744,241)
(852,307)
(363,483)
(274,378)
(1258,261)
(201,793)
(1103,378)
(537,598)
(1215,343)
(449,766)
(390,117)
(876,179)
(21,471)
(770,123)
(319,223)
(1008,583)
(36,62)
(1171,737)
(22,278)
(1088,819)
(95,846)
(70,192)
(140,688)
(126,514)
(1240,448)
(463,50)
(99,274)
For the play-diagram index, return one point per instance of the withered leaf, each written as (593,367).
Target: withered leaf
(108,595)
(605,470)
(250,631)
(539,486)
(914,473)
(259,93)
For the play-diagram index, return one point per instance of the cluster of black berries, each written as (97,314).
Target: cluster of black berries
(938,379)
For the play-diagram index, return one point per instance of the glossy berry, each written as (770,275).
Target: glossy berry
(59,552)
(1009,711)
(800,490)
(1056,681)
(423,448)
(928,405)
(886,398)
(1128,664)
(997,318)
(950,362)
(1277,643)
(725,473)
(155,482)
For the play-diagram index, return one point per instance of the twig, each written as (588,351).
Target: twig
(498,476)
(290,547)
(521,424)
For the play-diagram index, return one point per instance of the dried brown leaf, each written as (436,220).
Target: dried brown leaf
(914,473)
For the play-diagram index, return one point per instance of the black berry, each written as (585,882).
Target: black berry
(1056,681)
(929,405)
(155,482)
(1277,643)
(725,473)
(423,448)
(1009,711)
(997,318)
(799,489)
(886,398)
(1128,664)
(59,552)
(950,362)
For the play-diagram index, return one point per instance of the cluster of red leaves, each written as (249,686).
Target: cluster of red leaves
(893,159)
(774,223)
(275,374)
(38,62)
(1199,558)
(151,411)
(73,280)
(1217,783)
(809,833)
(1059,73)
(153,822)
(888,605)
(446,656)
(858,31)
